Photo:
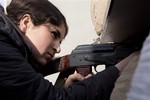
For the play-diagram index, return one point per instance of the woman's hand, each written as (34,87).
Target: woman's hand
(75,77)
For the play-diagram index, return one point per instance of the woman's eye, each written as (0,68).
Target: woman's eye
(55,35)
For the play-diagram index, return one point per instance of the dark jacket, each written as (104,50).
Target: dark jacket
(20,79)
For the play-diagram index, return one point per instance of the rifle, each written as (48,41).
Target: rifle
(86,56)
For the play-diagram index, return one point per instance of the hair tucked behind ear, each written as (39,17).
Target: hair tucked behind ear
(41,12)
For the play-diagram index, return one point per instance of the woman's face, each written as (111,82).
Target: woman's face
(44,40)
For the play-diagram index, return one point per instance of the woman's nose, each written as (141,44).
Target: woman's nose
(57,48)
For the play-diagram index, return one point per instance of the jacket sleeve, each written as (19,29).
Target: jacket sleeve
(98,87)
(19,81)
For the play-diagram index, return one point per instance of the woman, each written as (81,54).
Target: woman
(29,39)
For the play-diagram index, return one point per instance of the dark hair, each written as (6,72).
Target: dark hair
(41,12)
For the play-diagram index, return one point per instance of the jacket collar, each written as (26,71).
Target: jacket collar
(12,31)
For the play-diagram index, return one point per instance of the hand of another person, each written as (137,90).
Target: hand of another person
(123,63)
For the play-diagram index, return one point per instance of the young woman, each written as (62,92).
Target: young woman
(29,38)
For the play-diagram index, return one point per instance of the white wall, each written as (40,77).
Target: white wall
(3,3)
(78,16)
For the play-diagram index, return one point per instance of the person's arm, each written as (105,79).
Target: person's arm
(101,84)
(50,68)
(97,87)
(140,84)
(122,64)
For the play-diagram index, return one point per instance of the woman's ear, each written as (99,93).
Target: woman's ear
(24,23)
